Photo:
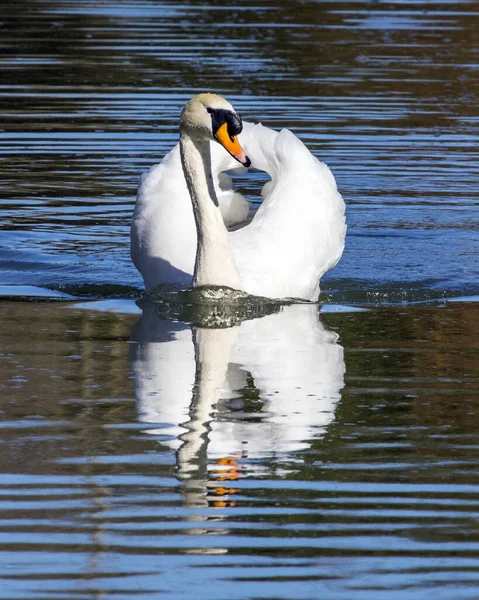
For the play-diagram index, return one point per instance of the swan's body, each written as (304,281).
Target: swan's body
(295,237)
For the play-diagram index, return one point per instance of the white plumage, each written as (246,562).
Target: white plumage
(296,235)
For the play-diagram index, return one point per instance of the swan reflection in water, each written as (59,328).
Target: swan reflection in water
(225,398)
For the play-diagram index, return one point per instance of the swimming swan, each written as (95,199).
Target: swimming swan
(178,231)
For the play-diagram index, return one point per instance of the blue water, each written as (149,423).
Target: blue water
(91,95)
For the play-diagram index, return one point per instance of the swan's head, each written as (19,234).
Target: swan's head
(211,117)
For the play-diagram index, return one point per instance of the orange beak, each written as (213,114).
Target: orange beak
(231,145)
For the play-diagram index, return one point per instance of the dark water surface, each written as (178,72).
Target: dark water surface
(290,456)
(270,460)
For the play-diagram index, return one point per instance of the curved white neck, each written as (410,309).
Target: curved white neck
(215,264)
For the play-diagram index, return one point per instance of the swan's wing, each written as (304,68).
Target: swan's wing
(163,232)
(325,202)
(298,232)
(259,144)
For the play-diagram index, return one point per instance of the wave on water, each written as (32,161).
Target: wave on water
(211,306)
(229,306)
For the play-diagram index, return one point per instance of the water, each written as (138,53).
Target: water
(289,456)
(90,95)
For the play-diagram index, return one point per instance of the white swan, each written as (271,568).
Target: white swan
(296,235)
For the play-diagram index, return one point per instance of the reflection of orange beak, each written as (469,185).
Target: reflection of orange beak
(232,145)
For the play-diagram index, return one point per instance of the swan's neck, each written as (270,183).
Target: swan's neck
(215,264)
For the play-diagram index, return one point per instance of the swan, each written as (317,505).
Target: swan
(184,203)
